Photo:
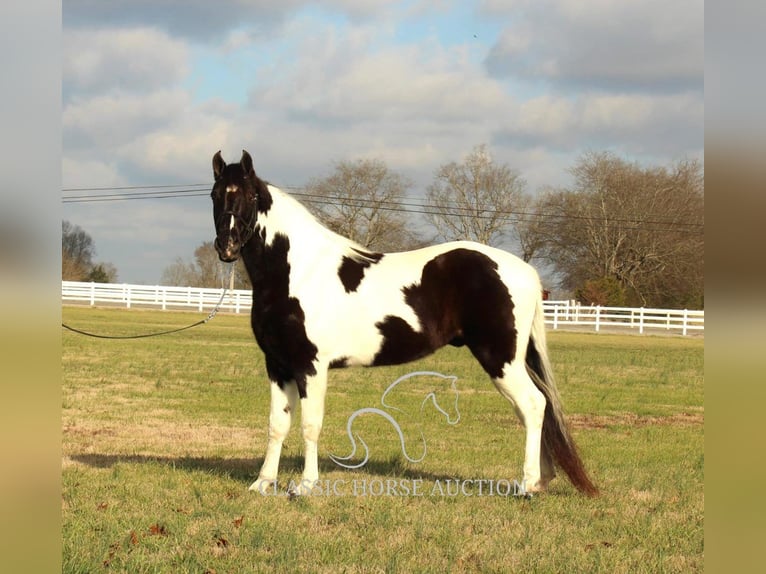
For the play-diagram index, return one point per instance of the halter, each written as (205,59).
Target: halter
(249,226)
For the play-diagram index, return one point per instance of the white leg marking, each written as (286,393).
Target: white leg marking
(283,403)
(312,414)
(529,404)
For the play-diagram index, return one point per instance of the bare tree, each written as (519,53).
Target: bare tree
(179,274)
(477,199)
(362,200)
(530,228)
(77,253)
(635,233)
(205,271)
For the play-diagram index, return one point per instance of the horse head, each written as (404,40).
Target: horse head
(236,194)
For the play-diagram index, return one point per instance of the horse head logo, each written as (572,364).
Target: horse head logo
(344,460)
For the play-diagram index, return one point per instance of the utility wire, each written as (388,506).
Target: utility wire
(132,193)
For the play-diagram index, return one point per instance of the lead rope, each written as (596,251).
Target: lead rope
(201,322)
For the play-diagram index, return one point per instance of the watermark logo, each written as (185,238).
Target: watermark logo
(344,461)
(410,487)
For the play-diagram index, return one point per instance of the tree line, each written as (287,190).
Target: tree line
(621,234)
(77,257)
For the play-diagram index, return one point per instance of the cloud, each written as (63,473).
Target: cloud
(88,172)
(205,21)
(346,79)
(108,120)
(615,45)
(153,89)
(125,60)
(181,154)
(191,19)
(641,123)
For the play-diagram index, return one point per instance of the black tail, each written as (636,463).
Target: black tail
(556,439)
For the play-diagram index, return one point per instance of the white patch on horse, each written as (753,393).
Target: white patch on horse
(335,319)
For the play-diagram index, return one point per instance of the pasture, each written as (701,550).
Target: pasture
(162,436)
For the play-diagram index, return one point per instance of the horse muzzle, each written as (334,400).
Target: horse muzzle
(228,253)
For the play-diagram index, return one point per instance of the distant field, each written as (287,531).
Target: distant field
(162,437)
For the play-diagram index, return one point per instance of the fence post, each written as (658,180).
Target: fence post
(598,318)
(686,320)
(92,294)
(641,321)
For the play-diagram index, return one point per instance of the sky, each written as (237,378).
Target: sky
(151,89)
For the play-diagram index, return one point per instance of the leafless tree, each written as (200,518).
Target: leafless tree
(205,271)
(623,225)
(77,252)
(362,200)
(180,273)
(477,199)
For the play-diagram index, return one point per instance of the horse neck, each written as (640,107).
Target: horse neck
(290,218)
(309,241)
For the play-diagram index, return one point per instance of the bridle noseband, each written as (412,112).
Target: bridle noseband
(247,225)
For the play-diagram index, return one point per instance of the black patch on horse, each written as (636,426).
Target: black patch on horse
(278,320)
(264,196)
(460,300)
(351,270)
(340,363)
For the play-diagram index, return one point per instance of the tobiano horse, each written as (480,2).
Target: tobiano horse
(321,301)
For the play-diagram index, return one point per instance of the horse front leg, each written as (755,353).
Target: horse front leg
(283,401)
(312,414)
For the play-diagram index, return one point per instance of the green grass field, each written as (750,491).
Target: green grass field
(162,437)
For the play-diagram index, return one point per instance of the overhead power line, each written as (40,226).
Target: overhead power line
(132,193)
(125,193)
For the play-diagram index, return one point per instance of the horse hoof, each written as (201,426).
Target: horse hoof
(538,488)
(264,486)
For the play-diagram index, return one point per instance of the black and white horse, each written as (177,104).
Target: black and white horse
(321,301)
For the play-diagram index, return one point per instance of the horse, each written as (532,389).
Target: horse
(322,301)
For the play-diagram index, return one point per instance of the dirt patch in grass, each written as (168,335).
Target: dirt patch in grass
(158,437)
(588,421)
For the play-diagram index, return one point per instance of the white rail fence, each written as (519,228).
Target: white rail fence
(558,314)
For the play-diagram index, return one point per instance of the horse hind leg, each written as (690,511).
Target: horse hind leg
(283,402)
(529,404)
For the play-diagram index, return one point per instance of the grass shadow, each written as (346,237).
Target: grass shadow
(245,470)
(239,469)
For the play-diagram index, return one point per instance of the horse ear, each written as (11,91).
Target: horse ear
(218,164)
(246,162)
